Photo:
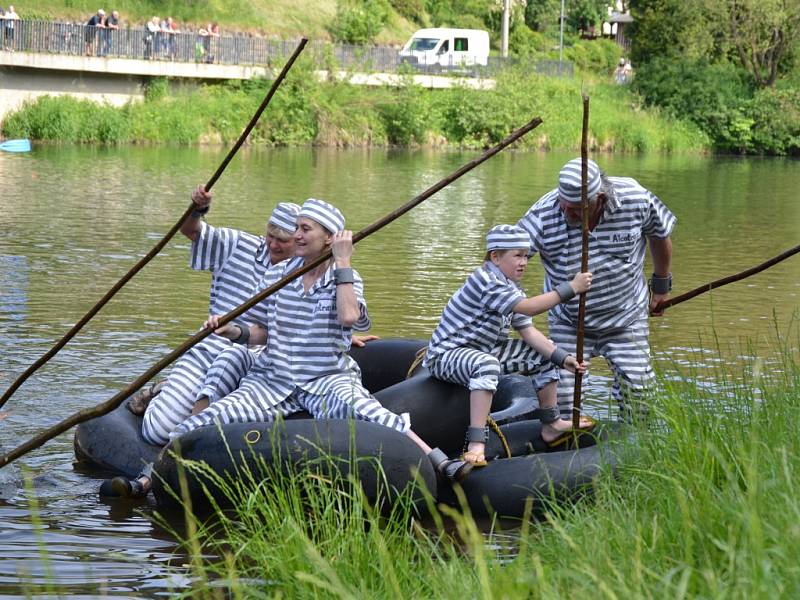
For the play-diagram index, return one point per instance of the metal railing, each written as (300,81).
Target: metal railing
(238,49)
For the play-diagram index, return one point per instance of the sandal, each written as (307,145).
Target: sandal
(453,469)
(475,434)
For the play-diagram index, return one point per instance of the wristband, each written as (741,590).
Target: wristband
(244,334)
(558,357)
(565,291)
(343,275)
(661,285)
(199,212)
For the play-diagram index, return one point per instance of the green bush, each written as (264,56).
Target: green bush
(407,115)
(598,56)
(413,10)
(523,41)
(714,96)
(776,121)
(359,21)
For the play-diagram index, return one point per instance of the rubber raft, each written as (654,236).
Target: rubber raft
(524,483)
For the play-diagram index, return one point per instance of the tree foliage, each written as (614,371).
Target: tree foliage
(676,29)
(359,21)
(763,33)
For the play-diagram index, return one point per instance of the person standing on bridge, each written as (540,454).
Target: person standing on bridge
(108,34)
(93,26)
(151,30)
(10,25)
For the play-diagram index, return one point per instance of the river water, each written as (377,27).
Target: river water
(74,220)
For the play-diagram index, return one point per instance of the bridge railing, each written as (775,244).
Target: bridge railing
(239,49)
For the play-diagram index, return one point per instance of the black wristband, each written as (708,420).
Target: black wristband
(343,275)
(558,356)
(661,285)
(199,212)
(565,291)
(244,336)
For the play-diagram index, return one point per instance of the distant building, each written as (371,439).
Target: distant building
(614,27)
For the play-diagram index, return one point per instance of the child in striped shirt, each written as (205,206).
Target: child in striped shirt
(471,347)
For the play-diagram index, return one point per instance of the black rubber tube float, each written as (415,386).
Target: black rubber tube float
(439,413)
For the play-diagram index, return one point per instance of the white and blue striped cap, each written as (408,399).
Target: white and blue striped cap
(507,237)
(285,216)
(569,180)
(323,213)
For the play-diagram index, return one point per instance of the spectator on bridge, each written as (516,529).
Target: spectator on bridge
(162,39)
(92,27)
(172,32)
(151,29)
(213,35)
(111,25)
(10,18)
(200,45)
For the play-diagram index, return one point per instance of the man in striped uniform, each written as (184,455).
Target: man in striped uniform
(624,217)
(471,347)
(237,261)
(305,365)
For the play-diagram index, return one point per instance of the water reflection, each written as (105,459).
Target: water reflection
(74,219)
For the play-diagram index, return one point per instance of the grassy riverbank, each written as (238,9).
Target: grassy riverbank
(278,18)
(708,507)
(306,111)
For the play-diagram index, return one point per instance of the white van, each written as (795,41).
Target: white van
(445,47)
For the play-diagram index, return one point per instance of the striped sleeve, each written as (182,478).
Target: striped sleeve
(364,322)
(500,296)
(659,220)
(520,321)
(212,247)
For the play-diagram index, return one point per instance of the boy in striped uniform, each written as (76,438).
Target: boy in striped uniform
(624,217)
(471,347)
(307,328)
(237,261)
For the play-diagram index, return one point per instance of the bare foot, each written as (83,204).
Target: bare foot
(475,453)
(551,431)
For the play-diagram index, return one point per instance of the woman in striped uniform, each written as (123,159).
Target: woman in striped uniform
(306,327)
(237,261)
(624,218)
(471,347)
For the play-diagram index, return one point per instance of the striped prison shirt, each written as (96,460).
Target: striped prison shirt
(237,261)
(305,340)
(479,314)
(619,291)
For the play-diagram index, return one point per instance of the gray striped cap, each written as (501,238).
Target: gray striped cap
(285,216)
(507,237)
(569,180)
(323,213)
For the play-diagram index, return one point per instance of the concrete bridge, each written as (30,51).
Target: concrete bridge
(24,76)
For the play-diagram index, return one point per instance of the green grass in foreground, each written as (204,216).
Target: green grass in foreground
(707,507)
(306,111)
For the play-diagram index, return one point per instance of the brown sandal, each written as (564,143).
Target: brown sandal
(475,434)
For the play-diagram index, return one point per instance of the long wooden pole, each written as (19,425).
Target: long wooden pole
(116,400)
(664,304)
(577,395)
(157,248)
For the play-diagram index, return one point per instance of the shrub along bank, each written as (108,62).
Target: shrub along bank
(306,111)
